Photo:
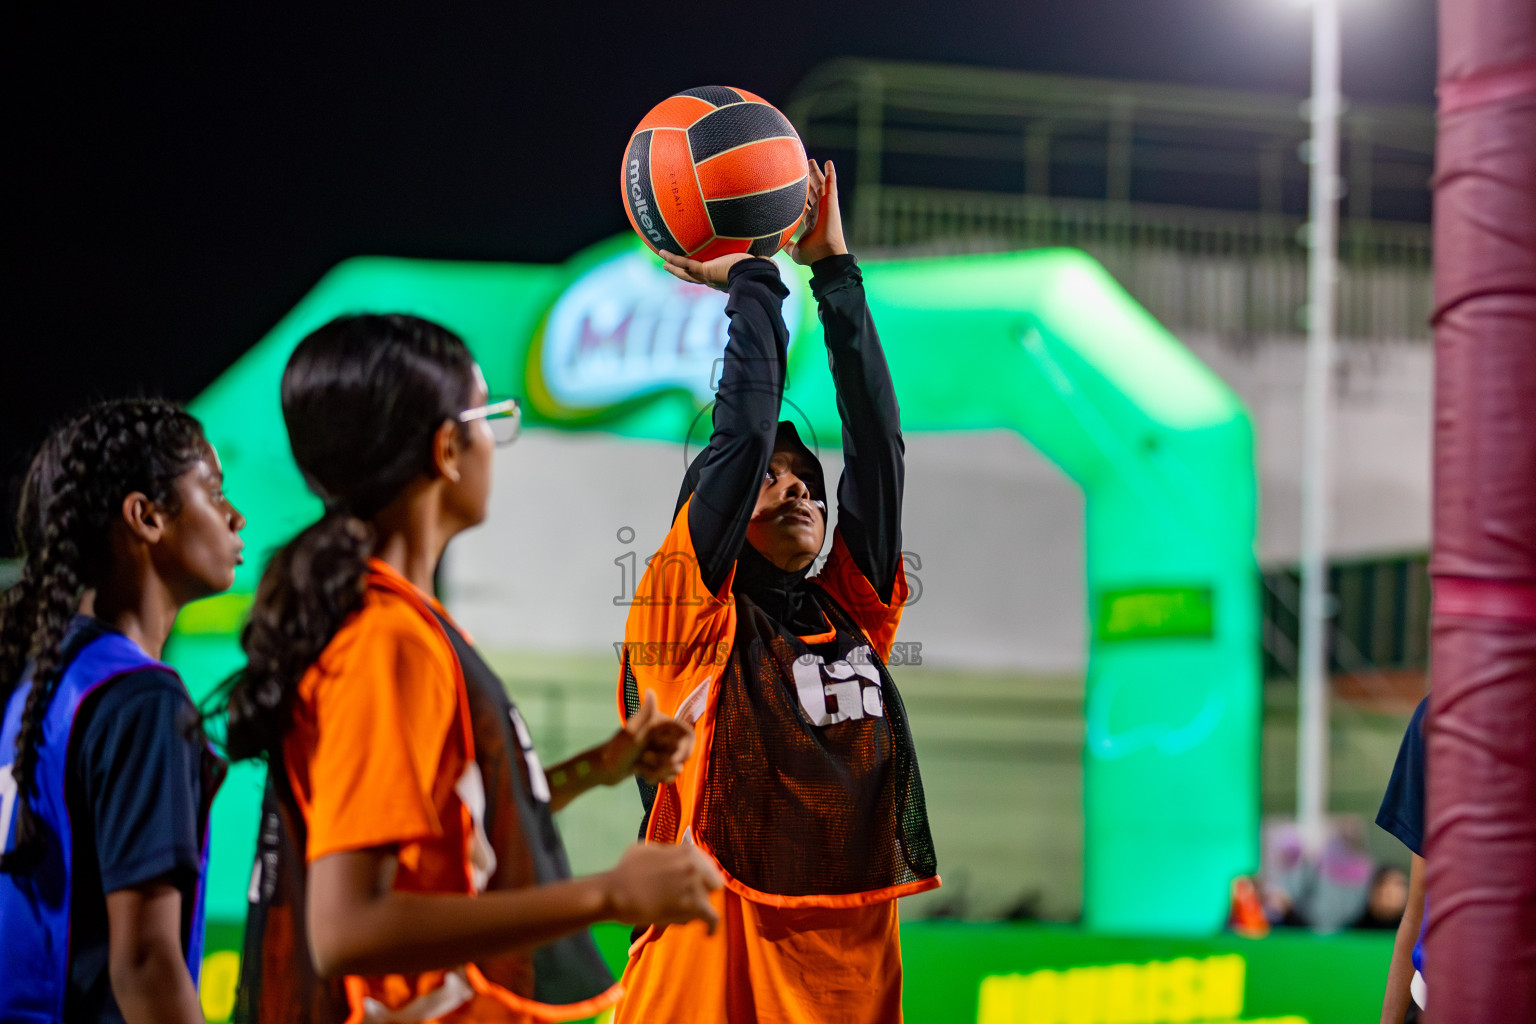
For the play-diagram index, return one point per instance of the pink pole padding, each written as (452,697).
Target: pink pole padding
(1480,957)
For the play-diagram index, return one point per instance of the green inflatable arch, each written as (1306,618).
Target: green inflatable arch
(1043,343)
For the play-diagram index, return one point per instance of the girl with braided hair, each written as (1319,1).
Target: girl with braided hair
(105,779)
(408,866)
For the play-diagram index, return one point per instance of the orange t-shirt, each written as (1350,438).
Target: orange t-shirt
(380,740)
(774,960)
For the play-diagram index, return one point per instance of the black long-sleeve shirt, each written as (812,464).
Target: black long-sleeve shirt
(730,471)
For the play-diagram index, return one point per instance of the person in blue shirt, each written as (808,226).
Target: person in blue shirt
(1402,816)
(105,778)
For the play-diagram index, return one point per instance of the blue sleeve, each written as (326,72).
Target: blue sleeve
(1402,808)
(140,761)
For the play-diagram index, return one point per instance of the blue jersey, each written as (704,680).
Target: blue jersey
(1402,808)
(38,919)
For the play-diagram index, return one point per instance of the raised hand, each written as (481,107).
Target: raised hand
(651,745)
(822,233)
(714,273)
(665,743)
(659,884)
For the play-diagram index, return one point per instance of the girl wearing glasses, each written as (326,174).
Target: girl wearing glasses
(408,867)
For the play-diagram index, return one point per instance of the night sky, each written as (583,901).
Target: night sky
(182,182)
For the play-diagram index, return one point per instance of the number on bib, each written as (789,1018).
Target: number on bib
(854,699)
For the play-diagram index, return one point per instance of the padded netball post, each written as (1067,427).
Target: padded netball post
(1480,959)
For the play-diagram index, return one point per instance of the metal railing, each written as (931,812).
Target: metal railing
(1054,135)
(1193,198)
(1229,272)
(1380,621)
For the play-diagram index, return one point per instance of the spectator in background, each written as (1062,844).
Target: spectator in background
(1388,899)
(1280,908)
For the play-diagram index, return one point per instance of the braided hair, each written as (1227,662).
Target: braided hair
(74,491)
(18,603)
(362,398)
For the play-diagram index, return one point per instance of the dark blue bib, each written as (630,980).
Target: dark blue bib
(35,905)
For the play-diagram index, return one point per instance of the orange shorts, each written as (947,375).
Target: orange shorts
(769,965)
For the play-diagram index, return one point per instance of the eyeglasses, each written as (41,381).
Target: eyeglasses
(504,417)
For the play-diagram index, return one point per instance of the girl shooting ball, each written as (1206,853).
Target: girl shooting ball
(804,788)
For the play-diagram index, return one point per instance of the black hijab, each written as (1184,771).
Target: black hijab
(784,596)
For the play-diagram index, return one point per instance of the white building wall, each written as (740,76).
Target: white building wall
(1382,441)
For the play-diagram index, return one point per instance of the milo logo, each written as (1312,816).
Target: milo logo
(627,329)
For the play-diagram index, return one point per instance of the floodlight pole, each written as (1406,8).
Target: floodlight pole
(1322,278)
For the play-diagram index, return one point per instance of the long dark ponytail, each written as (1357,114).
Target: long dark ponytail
(74,491)
(362,398)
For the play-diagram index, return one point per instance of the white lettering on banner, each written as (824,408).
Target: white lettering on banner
(627,327)
(7,804)
(854,700)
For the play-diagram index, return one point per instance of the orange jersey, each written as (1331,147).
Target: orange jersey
(382,754)
(809,928)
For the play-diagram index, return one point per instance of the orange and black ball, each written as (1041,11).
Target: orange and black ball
(712,171)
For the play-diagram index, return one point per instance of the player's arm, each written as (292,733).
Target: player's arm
(746,412)
(1400,972)
(651,745)
(870,492)
(144,958)
(137,764)
(390,714)
(358,923)
(1402,816)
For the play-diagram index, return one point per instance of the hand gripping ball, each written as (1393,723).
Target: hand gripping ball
(713,171)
